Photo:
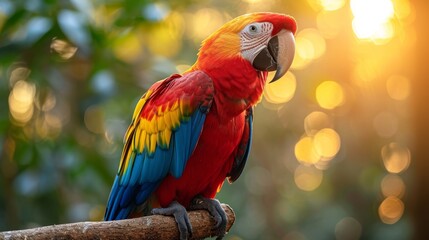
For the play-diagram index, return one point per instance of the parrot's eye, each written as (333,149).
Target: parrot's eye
(253,28)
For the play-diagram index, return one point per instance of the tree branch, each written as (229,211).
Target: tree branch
(150,227)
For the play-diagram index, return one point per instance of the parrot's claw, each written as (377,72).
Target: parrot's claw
(215,209)
(179,213)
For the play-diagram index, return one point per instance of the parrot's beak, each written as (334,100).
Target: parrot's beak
(278,55)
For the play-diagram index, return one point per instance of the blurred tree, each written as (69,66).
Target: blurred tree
(59,69)
(420,199)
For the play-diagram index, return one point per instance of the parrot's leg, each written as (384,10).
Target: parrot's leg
(179,213)
(215,209)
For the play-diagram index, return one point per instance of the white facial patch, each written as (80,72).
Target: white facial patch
(254,37)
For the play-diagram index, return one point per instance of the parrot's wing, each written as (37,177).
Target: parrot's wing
(165,129)
(242,152)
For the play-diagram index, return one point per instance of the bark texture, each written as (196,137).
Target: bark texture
(150,227)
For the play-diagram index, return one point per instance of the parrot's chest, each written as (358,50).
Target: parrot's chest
(209,164)
(217,142)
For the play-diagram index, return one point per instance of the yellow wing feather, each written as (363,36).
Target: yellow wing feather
(156,130)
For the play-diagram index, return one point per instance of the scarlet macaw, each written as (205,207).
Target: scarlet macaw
(189,132)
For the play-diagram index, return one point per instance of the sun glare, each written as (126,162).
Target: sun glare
(326,5)
(373,19)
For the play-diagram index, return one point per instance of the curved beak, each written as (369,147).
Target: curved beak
(277,55)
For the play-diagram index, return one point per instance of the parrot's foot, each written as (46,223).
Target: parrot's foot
(179,213)
(215,209)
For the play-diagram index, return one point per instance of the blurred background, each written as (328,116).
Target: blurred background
(339,149)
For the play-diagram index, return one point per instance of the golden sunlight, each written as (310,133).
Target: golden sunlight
(310,45)
(332,5)
(204,22)
(305,152)
(326,5)
(317,41)
(165,38)
(398,87)
(282,90)
(303,50)
(316,121)
(373,19)
(308,178)
(252,1)
(391,210)
(327,143)
(329,95)
(328,24)
(21,100)
(396,158)
(402,8)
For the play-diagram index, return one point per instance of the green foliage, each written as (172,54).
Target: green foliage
(53,168)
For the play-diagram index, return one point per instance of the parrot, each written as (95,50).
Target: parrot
(191,131)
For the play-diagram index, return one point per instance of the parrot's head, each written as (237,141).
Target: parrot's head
(265,41)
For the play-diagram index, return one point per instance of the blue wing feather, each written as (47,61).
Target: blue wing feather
(187,135)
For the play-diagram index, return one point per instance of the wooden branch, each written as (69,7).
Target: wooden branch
(150,227)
